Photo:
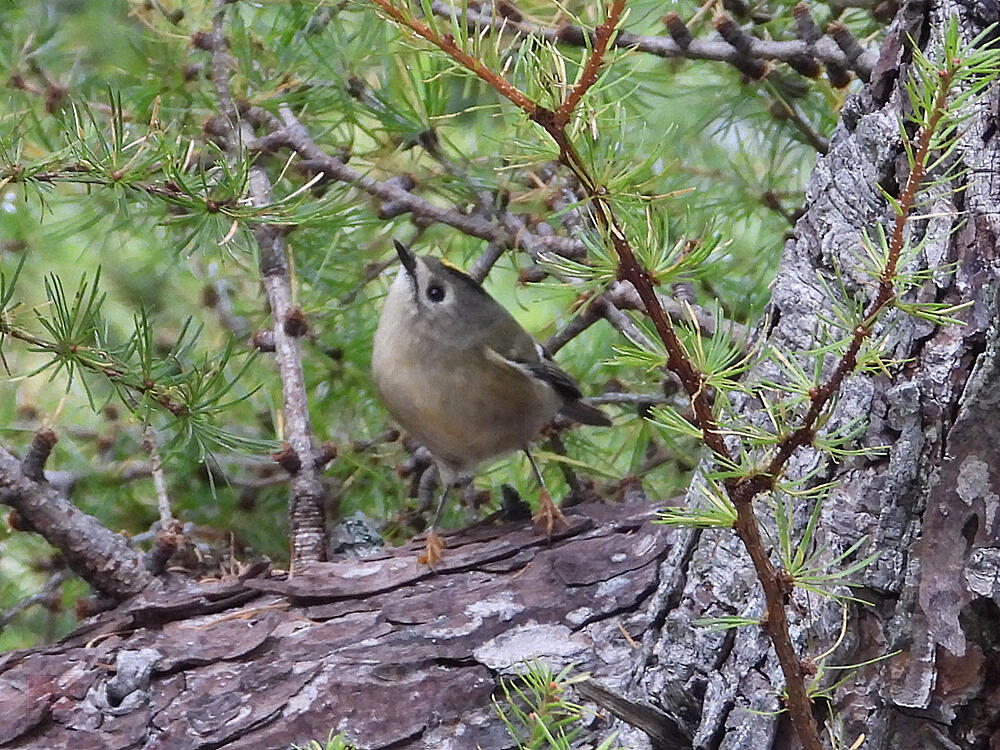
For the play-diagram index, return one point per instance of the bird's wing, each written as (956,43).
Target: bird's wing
(542,369)
(558,380)
(506,337)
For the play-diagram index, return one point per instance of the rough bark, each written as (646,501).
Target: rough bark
(400,658)
(379,648)
(929,508)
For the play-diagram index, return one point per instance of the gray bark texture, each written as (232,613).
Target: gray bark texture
(929,508)
(397,657)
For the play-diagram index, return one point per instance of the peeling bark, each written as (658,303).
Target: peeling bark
(380,648)
(397,657)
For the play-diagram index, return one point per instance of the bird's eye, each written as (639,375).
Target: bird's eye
(435,292)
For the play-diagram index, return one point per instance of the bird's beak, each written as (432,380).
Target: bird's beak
(408,259)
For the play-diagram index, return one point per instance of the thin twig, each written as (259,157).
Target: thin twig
(638,400)
(593,312)
(306,495)
(43,596)
(588,76)
(485,262)
(824,49)
(159,482)
(792,114)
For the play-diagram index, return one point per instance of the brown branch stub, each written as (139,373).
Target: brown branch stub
(847,42)
(805,25)
(730,31)
(288,459)
(805,65)
(678,30)
(262,340)
(838,75)
(33,464)
(14,522)
(295,323)
(203,40)
(327,452)
(167,541)
(98,555)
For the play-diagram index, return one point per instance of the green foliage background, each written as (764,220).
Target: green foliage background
(701,145)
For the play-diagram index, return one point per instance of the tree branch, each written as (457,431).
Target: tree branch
(99,556)
(306,496)
(45,596)
(159,481)
(824,48)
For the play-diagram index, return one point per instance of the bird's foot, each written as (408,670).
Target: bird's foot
(548,516)
(433,551)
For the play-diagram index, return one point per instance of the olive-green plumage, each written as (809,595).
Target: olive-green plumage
(460,374)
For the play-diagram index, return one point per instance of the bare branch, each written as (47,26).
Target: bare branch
(159,482)
(99,556)
(485,262)
(592,313)
(306,501)
(512,230)
(294,135)
(792,114)
(824,48)
(43,596)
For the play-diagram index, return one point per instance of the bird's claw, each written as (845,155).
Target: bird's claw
(433,551)
(548,516)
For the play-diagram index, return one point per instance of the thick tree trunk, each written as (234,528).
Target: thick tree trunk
(379,648)
(929,508)
(396,657)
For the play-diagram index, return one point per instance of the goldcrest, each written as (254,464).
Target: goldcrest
(461,375)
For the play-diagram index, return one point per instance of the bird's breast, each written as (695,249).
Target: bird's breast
(463,406)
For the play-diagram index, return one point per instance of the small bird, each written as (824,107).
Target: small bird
(464,378)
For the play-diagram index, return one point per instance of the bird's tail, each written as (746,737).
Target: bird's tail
(585,414)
